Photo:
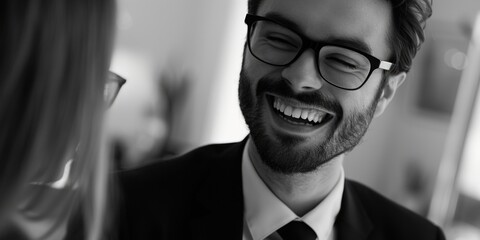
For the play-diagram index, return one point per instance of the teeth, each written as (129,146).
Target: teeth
(297,112)
(304,114)
(288,111)
(320,118)
(310,114)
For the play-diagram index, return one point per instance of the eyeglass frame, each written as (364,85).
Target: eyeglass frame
(308,43)
(113,77)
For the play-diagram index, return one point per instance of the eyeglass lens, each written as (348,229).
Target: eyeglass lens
(278,45)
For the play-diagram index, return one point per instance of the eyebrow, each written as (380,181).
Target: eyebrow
(344,41)
(351,42)
(284,21)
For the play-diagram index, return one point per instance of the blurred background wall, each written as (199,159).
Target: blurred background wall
(182,59)
(186,56)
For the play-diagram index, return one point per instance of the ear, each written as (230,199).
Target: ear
(393,82)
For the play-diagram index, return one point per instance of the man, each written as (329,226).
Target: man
(315,73)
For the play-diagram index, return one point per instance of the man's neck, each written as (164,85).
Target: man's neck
(303,191)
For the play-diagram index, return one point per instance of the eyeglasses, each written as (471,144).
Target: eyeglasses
(341,66)
(113,84)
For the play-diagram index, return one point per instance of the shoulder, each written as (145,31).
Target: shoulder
(192,160)
(179,172)
(378,205)
(160,198)
(391,218)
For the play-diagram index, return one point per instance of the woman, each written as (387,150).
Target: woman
(54,56)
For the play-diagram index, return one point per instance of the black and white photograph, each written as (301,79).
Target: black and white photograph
(240,120)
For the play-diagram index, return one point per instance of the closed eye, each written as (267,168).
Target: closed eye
(341,61)
(281,42)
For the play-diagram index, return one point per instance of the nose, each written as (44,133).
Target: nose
(302,75)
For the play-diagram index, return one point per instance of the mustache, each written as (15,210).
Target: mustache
(281,88)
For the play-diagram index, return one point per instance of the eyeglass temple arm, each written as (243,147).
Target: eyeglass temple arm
(385,65)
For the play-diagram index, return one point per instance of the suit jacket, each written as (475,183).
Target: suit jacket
(199,196)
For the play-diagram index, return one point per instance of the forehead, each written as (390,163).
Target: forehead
(367,21)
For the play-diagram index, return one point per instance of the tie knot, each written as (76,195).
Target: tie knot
(297,230)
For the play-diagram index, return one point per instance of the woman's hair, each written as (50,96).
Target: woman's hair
(407,31)
(54,61)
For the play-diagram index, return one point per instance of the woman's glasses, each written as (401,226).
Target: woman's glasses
(113,84)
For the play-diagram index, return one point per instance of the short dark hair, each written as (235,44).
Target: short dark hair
(407,34)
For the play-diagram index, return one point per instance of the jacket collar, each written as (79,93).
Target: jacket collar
(219,213)
(352,220)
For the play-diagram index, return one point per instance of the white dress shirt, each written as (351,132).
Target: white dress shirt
(264,213)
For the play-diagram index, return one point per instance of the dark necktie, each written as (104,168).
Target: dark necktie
(296,230)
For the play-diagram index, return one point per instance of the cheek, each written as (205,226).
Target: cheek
(249,81)
(257,69)
(354,101)
(367,93)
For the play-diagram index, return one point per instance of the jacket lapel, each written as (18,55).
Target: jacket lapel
(219,201)
(352,221)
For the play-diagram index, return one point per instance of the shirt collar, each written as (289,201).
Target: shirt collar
(265,213)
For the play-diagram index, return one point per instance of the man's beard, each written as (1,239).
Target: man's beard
(283,153)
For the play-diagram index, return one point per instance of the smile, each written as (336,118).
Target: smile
(299,114)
